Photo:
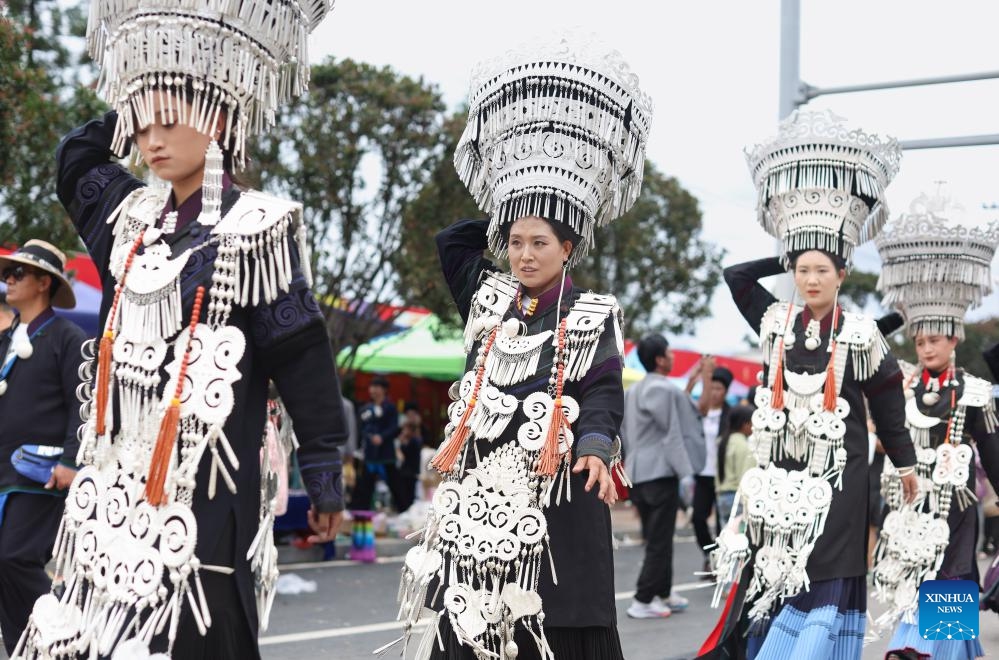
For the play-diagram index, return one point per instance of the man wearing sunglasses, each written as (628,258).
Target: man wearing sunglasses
(39,417)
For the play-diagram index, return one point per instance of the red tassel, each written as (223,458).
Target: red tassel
(549,459)
(829,389)
(103,380)
(163,454)
(777,400)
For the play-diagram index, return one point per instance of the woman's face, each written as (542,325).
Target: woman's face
(817,279)
(175,152)
(536,254)
(935,351)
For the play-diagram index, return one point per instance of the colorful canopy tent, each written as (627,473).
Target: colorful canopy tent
(87,288)
(415,351)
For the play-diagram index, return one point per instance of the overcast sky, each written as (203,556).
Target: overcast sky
(712,71)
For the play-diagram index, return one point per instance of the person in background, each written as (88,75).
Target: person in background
(734,458)
(39,364)
(379,427)
(409,446)
(351,453)
(713,408)
(663,441)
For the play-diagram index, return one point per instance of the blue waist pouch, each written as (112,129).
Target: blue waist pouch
(36,462)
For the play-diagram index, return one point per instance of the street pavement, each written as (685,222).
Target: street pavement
(353,610)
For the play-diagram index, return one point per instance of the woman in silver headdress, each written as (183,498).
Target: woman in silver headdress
(165,546)
(821,188)
(932,273)
(516,558)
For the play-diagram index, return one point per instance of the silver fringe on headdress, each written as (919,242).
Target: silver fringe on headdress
(557,131)
(243,58)
(821,185)
(933,272)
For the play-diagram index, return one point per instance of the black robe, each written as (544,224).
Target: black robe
(959,557)
(580,530)
(841,550)
(40,405)
(286,341)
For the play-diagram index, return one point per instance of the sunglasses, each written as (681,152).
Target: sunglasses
(17,272)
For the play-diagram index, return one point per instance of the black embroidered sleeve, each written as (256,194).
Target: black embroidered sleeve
(291,338)
(749,295)
(461,249)
(887,403)
(91,186)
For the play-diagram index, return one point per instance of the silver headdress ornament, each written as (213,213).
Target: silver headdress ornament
(933,271)
(821,185)
(556,130)
(241,57)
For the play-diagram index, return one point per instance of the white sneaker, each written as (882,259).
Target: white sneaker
(654,610)
(674,603)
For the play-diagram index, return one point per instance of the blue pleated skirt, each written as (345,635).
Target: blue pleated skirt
(826,623)
(907,637)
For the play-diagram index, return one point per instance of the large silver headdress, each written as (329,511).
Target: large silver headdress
(822,185)
(933,270)
(557,131)
(241,57)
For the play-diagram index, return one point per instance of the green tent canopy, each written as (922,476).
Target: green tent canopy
(424,351)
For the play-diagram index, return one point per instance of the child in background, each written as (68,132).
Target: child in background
(734,458)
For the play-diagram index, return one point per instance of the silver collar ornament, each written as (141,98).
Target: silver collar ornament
(556,129)
(820,184)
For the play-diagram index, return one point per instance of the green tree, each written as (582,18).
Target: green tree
(41,99)
(355,151)
(652,258)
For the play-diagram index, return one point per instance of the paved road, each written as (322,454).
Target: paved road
(353,611)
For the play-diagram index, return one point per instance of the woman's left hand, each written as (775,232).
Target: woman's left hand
(599,474)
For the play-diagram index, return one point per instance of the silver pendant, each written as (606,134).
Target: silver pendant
(931,398)
(811,343)
(3,387)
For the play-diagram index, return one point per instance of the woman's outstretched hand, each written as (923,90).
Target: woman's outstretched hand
(599,474)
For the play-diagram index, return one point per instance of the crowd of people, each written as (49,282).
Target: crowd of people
(135,459)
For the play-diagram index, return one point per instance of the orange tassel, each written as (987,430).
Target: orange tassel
(103,380)
(829,389)
(447,457)
(159,466)
(549,459)
(106,346)
(163,454)
(777,401)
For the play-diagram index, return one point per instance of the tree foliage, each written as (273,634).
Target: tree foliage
(41,99)
(355,151)
(652,258)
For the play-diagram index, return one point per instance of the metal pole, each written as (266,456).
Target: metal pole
(812,92)
(791,96)
(942,143)
(790,58)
